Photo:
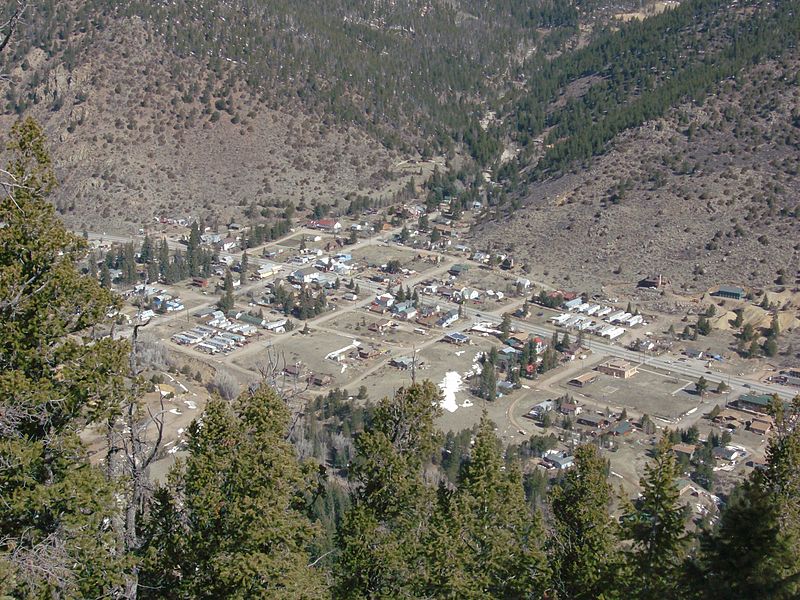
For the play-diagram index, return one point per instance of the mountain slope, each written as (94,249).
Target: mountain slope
(706,195)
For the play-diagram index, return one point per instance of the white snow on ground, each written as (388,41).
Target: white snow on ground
(467,403)
(190,404)
(450,385)
(459,353)
(175,411)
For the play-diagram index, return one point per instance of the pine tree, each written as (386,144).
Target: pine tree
(240,515)
(381,537)
(243,266)
(488,382)
(657,531)
(227,301)
(701,386)
(584,544)
(54,535)
(505,327)
(754,552)
(486,542)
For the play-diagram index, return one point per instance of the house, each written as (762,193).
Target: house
(448,319)
(468,294)
(403,363)
(444,230)
(295,370)
(458,269)
(320,379)
(252,320)
(620,369)
(727,453)
(538,410)
(570,409)
(684,451)
(622,428)
(456,338)
(574,303)
(481,257)
(729,291)
(380,327)
(593,421)
(228,244)
(304,275)
(368,352)
(684,486)
(652,281)
(384,300)
(277,326)
(753,402)
(522,284)
(583,380)
(404,310)
(760,426)
(559,461)
(331,225)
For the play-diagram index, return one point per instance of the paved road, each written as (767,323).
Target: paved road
(691,369)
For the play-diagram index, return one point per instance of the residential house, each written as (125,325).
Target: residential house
(330,225)
(760,426)
(403,363)
(593,421)
(622,428)
(304,275)
(559,460)
(456,338)
(684,451)
(458,269)
(404,310)
(448,319)
(570,409)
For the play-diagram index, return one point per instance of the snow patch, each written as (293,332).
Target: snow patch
(450,385)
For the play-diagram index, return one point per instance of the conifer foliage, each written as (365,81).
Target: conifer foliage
(234,521)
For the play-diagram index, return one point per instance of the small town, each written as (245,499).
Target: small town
(337,304)
(408,299)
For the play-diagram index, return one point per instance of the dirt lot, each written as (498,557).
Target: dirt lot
(378,255)
(646,392)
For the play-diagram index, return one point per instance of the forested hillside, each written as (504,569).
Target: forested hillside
(236,110)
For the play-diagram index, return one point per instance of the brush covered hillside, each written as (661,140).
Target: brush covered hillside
(705,195)
(668,147)
(241,109)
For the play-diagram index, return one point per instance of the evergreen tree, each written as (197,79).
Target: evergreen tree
(240,516)
(656,530)
(381,537)
(701,386)
(488,382)
(754,552)
(505,327)
(584,548)
(243,266)
(227,301)
(55,539)
(486,542)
